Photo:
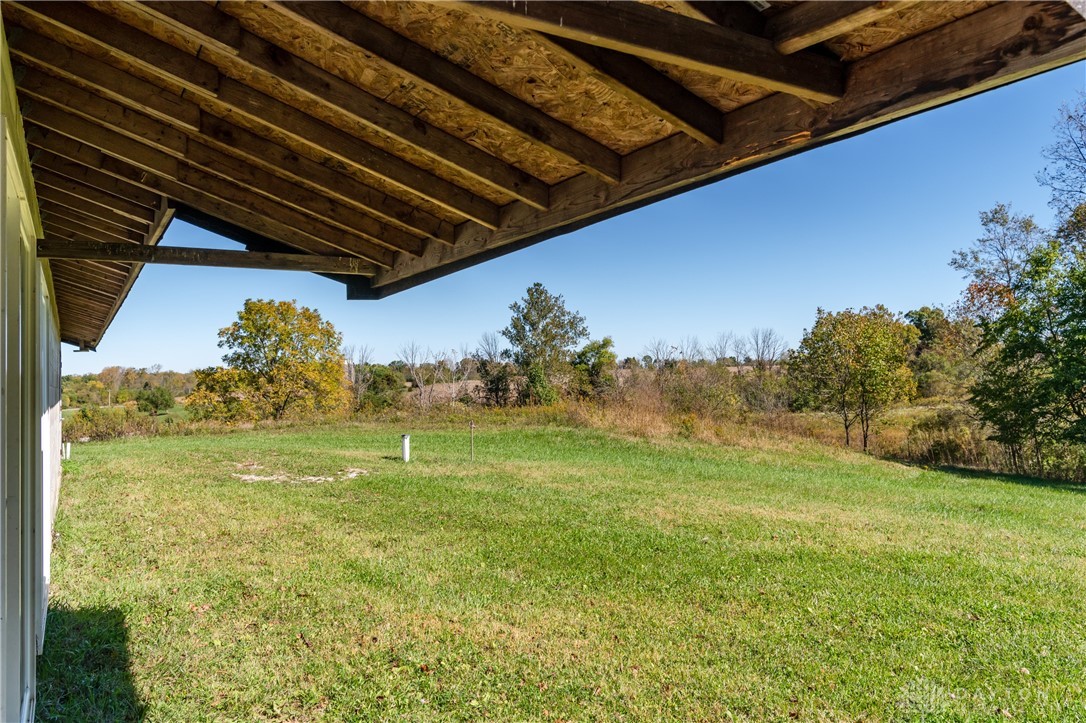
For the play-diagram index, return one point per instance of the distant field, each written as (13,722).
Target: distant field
(565,575)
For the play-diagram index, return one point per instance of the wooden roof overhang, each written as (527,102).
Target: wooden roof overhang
(385,144)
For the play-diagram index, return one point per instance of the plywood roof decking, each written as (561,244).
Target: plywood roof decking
(420,138)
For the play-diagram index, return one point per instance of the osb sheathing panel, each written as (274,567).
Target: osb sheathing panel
(234,68)
(525,68)
(13,16)
(389,83)
(344,121)
(723,93)
(901,25)
(313,153)
(129,14)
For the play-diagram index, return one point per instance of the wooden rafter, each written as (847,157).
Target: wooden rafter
(40,52)
(96,179)
(445,77)
(122,206)
(667,37)
(354,232)
(74,202)
(355,153)
(640,83)
(87,29)
(256,55)
(66,227)
(735,15)
(1010,41)
(117,85)
(67,25)
(184,256)
(160,173)
(807,24)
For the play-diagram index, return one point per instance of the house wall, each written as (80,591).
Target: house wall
(29,416)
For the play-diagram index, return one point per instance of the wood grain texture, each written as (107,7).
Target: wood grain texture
(655,34)
(364,110)
(441,75)
(182,256)
(990,48)
(810,23)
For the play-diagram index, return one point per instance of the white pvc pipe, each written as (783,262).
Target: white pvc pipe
(406,447)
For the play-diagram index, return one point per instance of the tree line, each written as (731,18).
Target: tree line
(1007,362)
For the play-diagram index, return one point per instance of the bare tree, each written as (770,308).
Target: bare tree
(689,349)
(463,370)
(413,357)
(357,365)
(721,347)
(765,348)
(660,352)
(1065,175)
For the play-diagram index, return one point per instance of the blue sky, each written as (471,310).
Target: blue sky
(869,220)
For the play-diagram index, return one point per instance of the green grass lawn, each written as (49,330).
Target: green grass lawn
(566,574)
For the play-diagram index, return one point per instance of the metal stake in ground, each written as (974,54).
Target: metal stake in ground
(472,425)
(405,447)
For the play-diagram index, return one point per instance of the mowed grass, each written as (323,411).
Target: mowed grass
(566,574)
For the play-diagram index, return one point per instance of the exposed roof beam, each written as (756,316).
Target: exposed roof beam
(449,79)
(362,108)
(355,153)
(637,81)
(91,30)
(184,256)
(735,15)
(239,97)
(1009,41)
(68,228)
(655,34)
(129,209)
(810,23)
(350,227)
(79,141)
(97,179)
(93,286)
(273,158)
(81,204)
(65,218)
(119,86)
(40,52)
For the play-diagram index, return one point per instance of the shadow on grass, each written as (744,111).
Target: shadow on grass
(83,672)
(1005,477)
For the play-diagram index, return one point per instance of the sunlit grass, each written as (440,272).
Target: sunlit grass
(566,574)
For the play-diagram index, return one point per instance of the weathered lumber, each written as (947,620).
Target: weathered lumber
(362,108)
(435,72)
(161,173)
(640,83)
(97,179)
(119,86)
(93,194)
(91,31)
(810,23)
(1006,42)
(40,52)
(183,256)
(79,203)
(260,190)
(656,34)
(240,97)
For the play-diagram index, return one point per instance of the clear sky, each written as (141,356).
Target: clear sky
(869,220)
